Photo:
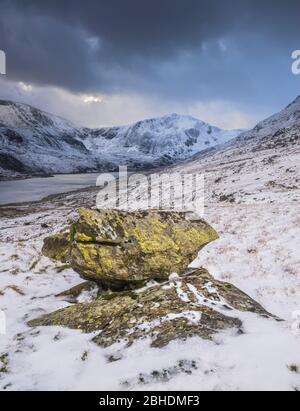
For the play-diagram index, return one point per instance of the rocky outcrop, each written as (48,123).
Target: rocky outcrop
(116,249)
(123,251)
(193,305)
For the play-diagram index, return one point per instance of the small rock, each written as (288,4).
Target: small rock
(73,293)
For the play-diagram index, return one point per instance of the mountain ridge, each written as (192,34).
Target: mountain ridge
(261,164)
(34,142)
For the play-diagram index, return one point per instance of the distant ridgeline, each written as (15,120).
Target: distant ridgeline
(2,62)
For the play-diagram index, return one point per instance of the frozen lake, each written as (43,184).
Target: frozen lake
(34,189)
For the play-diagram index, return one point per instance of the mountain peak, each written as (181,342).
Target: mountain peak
(30,136)
(176,117)
(173,117)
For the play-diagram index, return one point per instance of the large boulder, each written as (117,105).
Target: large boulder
(192,305)
(116,248)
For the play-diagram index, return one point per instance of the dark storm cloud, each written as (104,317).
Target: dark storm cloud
(183,49)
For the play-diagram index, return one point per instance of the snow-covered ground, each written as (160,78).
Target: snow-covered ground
(258,251)
(252,199)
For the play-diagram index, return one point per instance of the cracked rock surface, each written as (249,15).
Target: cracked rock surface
(116,249)
(192,305)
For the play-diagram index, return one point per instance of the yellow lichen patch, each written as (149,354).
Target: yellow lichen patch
(89,254)
(157,223)
(187,238)
(106,258)
(154,241)
(83,237)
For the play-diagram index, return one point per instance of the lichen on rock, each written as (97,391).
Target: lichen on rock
(57,246)
(181,307)
(117,248)
(122,251)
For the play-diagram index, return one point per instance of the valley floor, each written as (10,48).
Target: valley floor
(258,251)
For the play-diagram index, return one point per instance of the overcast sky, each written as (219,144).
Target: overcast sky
(110,62)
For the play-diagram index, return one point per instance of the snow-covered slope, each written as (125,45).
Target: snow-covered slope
(260,164)
(157,141)
(35,142)
(276,124)
(16,115)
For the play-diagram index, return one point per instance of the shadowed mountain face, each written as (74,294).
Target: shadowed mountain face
(33,142)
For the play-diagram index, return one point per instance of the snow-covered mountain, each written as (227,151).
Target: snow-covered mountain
(279,130)
(34,142)
(288,118)
(156,141)
(259,164)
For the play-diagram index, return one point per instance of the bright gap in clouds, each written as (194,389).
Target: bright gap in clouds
(92,99)
(25,87)
(119,109)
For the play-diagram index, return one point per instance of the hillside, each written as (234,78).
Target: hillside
(33,142)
